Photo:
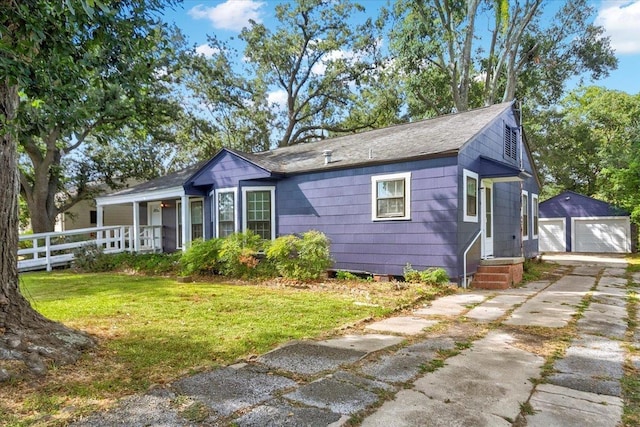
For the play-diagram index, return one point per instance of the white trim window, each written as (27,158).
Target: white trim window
(226,209)
(535,213)
(391,197)
(470,196)
(196,213)
(259,211)
(525,215)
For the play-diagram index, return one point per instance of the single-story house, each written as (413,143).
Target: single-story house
(442,192)
(572,222)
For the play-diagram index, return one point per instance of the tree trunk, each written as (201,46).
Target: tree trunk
(25,335)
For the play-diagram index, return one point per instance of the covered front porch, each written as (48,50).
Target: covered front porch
(162,221)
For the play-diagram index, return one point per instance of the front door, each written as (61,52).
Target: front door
(487,218)
(155,221)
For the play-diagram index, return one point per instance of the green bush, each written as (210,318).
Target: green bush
(238,255)
(201,257)
(300,258)
(151,264)
(91,258)
(430,276)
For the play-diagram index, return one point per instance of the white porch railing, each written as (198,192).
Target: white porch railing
(56,249)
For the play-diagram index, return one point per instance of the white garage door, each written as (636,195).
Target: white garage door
(605,234)
(551,235)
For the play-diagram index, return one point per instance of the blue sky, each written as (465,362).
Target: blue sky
(225,19)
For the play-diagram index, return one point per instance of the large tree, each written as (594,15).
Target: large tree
(465,54)
(32,32)
(97,126)
(297,81)
(591,144)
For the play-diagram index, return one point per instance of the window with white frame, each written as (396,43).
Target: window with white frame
(259,212)
(391,197)
(197,221)
(225,212)
(535,215)
(525,215)
(470,196)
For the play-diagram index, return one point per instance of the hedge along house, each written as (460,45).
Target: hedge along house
(442,192)
(572,222)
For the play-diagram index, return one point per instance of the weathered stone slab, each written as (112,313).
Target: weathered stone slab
(604,319)
(587,384)
(404,325)
(286,415)
(555,305)
(137,411)
(615,271)
(451,305)
(560,406)
(586,270)
(482,386)
(367,343)
(495,308)
(338,396)
(229,390)
(309,358)
(395,368)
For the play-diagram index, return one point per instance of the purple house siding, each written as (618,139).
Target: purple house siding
(336,197)
(339,203)
(507,236)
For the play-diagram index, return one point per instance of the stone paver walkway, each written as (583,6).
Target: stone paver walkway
(396,365)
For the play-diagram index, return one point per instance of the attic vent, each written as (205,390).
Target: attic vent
(510,142)
(327,156)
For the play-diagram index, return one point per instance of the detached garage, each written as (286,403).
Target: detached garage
(571,222)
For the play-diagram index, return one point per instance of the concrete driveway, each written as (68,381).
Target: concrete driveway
(475,358)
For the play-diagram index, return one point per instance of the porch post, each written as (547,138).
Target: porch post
(100,215)
(99,224)
(186,222)
(136,226)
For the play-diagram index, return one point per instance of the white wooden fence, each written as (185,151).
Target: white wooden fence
(48,250)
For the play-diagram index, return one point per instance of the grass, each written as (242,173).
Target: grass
(633,261)
(153,330)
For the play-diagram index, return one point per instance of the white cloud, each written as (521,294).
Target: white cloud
(230,15)
(320,67)
(206,50)
(278,97)
(621,21)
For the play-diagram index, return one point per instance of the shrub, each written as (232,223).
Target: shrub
(430,276)
(238,255)
(346,275)
(300,258)
(201,257)
(151,264)
(91,258)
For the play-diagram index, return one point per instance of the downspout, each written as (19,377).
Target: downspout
(521,144)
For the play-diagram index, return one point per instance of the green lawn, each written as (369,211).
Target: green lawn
(152,330)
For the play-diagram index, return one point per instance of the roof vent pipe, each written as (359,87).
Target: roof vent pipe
(327,156)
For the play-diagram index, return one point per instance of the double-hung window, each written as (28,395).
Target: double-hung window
(525,215)
(197,221)
(470,196)
(391,197)
(225,212)
(535,213)
(259,213)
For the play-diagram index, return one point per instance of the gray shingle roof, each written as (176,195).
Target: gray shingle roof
(423,138)
(175,179)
